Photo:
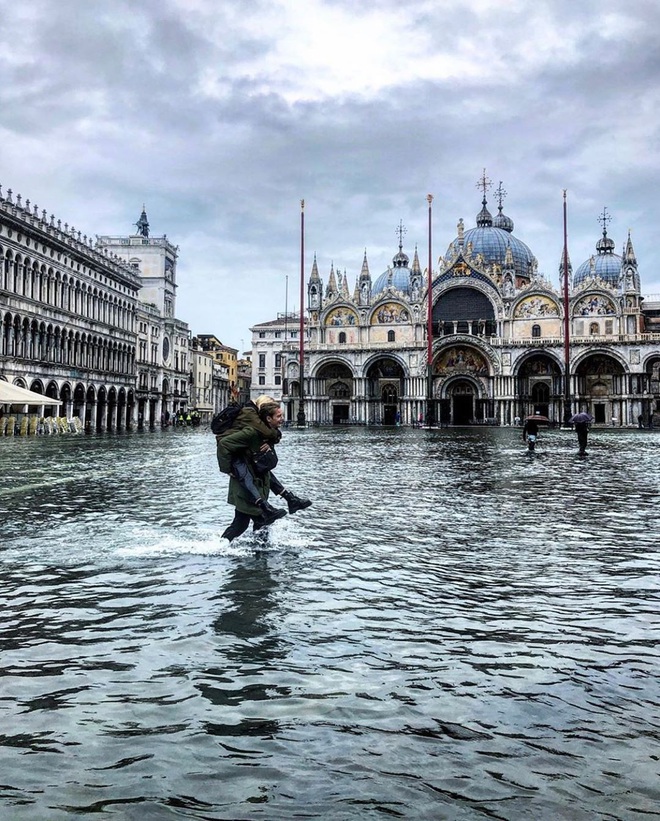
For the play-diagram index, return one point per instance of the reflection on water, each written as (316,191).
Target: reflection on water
(453,630)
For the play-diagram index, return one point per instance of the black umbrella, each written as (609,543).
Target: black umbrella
(580,417)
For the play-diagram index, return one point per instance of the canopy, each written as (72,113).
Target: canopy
(13,395)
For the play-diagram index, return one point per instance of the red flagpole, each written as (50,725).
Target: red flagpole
(567,341)
(430,415)
(301,406)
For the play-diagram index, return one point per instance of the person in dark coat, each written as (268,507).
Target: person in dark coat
(530,432)
(582,423)
(251,445)
(249,417)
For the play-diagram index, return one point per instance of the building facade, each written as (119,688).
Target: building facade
(68,313)
(210,391)
(271,342)
(163,367)
(498,340)
(74,323)
(223,355)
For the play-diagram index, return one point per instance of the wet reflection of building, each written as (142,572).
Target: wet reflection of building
(498,336)
(249,647)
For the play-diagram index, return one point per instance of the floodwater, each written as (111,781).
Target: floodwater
(454,630)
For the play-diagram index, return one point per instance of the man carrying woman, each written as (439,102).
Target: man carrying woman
(247,454)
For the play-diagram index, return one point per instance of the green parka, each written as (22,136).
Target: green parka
(248,417)
(244,444)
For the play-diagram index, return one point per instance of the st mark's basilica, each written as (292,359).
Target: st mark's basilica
(498,349)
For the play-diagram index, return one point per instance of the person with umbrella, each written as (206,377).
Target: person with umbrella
(530,429)
(582,421)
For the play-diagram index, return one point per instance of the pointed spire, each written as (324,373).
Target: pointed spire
(629,278)
(315,271)
(344,286)
(364,273)
(356,291)
(416,267)
(331,290)
(629,253)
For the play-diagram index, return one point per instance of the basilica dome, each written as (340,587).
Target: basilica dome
(398,276)
(606,264)
(491,238)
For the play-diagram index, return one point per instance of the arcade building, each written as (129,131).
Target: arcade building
(498,349)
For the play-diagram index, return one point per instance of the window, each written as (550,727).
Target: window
(262,334)
(278,379)
(262,380)
(342,337)
(293,334)
(278,360)
(262,360)
(391,336)
(277,334)
(536,331)
(594,330)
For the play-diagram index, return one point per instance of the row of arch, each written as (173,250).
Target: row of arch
(98,407)
(35,340)
(391,363)
(472,304)
(25,277)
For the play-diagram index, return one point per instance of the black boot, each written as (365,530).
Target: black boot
(294,502)
(269,514)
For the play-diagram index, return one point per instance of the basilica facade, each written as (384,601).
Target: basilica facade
(498,338)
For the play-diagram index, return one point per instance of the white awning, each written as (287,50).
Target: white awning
(13,395)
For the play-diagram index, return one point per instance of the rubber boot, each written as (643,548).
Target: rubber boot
(294,502)
(269,514)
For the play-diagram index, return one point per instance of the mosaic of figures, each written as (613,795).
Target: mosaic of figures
(461,360)
(538,367)
(536,306)
(391,312)
(341,316)
(594,306)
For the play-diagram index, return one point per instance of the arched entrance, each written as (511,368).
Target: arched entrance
(335,381)
(53,393)
(385,385)
(539,387)
(461,399)
(651,408)
(90,407)
(389,399)
(100,408)
(79,401)
(112,408)
(460,372)
(601,383)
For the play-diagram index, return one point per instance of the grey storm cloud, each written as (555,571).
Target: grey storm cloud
(220,117)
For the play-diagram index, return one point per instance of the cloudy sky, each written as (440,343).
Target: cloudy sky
(220,115)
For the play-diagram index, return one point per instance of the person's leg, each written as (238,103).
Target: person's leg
(294,502)
(242,472)
(238,526)
(582,440)
(246,479)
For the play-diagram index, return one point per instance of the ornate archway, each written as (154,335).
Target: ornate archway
(385,385)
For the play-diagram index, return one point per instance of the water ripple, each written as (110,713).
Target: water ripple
(453,630)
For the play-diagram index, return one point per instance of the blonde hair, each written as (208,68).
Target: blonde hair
(262,400)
